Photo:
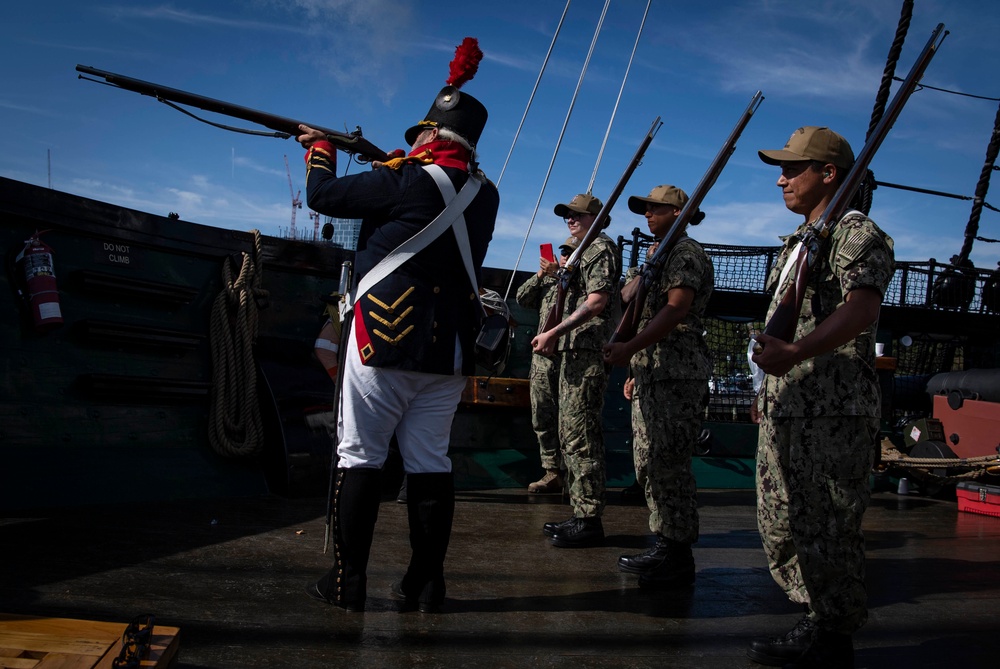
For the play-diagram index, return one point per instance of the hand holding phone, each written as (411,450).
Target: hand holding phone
(545,250)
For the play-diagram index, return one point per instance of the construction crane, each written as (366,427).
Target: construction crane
(296,201)
(314,215)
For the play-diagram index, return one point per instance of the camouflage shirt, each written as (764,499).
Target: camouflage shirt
(683,353)
(841,382)
(599,271)
(538,293)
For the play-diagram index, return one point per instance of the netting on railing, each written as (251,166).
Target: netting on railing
(939,288)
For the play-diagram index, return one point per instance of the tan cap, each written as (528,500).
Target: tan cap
(812,143)
(665,194)
(581,204)
(570,243)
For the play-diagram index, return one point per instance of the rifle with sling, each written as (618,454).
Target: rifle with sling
(565,273)
(651,269)
(785,318)
(284,128)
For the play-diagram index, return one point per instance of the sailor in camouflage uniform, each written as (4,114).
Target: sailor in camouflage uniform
(591,299)
(819,412)
(539,292)
(668,385)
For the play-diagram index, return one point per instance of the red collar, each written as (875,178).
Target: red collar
(444,153)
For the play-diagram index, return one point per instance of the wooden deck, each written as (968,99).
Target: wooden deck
(33,642)
(230,575)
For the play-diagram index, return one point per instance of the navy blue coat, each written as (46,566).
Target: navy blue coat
(410,319)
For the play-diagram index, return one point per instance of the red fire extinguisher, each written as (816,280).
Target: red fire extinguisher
(35,260)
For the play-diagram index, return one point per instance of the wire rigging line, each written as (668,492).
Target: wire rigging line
(600,154)
(945,90)
(555,152)
(533,91)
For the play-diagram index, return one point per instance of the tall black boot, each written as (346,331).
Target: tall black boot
(355,510)
(430,508)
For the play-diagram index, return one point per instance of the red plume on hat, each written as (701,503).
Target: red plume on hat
(465,63)
(452,109)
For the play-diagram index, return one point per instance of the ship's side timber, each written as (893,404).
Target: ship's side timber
(114,404)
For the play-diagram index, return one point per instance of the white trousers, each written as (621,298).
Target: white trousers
(377,402)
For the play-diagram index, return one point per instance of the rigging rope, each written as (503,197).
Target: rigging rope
(555,151)
(235,427)
(533,91)
(600,154)
(982,187)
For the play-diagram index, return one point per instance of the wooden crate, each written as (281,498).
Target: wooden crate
(27,642)
(497,392)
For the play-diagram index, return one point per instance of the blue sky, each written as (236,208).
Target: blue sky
(379,63)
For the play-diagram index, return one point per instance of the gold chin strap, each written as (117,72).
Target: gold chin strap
(425,157)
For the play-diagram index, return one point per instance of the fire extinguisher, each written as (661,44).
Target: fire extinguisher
(35,261)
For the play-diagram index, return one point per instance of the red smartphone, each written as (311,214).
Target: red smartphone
(546,252)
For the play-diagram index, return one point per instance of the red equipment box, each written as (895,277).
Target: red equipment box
(978,498)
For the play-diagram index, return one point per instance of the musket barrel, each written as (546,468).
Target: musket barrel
(350,143)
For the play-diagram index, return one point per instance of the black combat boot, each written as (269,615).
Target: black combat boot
(643,562)
(828,650)
(675,570)
(778,651)
(579,533)
(430,507)
(356,500)
(552,529)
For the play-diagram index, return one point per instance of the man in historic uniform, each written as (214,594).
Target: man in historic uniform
(591,298)
(411,342)
(819,411)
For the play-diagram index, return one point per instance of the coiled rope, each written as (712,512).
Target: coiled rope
(235,428)
(984,464)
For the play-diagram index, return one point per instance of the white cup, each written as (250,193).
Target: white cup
(879,350)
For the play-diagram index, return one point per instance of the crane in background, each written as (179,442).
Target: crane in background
(314,215)
(296,200)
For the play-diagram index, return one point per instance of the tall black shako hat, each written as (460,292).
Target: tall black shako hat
(457,111)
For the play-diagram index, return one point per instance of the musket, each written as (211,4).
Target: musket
(651,269)
(284,128)
(785,317)
(565,273)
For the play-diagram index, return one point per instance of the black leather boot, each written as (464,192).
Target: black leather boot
(675,570)
(430,507)
(579,533)
(828,650)
(643,562)
(552,529)
(778,651)
(356,500)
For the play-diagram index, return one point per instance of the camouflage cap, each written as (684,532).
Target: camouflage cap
(665,194)
(812,143)
(583,203)
(570,243)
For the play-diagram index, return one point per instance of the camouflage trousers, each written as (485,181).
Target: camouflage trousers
(812,491)
(543,390)
(666,422)
(582,382)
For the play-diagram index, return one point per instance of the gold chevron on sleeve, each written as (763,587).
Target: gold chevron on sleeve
(392,325)
(392,340)
(391,307)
